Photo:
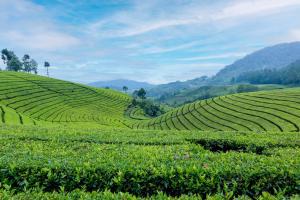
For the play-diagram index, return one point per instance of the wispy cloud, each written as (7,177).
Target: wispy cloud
(140,21)
(160,49)
(218,56)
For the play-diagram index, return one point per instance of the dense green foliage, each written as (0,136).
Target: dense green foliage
(287,75)
(13,63)
(144,163)
(149,107)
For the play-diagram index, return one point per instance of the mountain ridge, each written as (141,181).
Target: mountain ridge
(118,84)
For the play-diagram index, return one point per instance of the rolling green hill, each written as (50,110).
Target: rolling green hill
(31,99)
(277,110)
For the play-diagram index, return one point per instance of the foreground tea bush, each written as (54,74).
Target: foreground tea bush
(144,163)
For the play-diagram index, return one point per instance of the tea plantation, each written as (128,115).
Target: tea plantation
(61,140)
(277,110)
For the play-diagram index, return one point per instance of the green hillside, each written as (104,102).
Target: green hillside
(277,110)
(31,99)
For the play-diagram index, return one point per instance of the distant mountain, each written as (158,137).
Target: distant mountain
(175,87)
(118,84)
(273,57)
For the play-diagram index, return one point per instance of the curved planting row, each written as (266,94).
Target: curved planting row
(136,113)
(10,116)
(258,111)
(51,100)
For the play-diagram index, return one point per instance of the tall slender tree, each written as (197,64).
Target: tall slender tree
(26,63)
(47,65)
(34,66)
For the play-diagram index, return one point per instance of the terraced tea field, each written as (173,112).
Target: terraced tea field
(277,110)
(30,99)
(61,140)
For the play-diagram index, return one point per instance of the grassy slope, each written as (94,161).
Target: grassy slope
(276,110)
(28,99)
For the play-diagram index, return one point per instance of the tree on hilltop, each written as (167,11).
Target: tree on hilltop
(141,93)
(33,66)
(11,60)
(13,63)
(47,65)
(125,89)
(6,55)
(26,63)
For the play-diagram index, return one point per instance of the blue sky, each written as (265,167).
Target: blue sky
(157,41)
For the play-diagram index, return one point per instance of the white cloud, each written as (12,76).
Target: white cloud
(27,25)
(151,26)
(155,50)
